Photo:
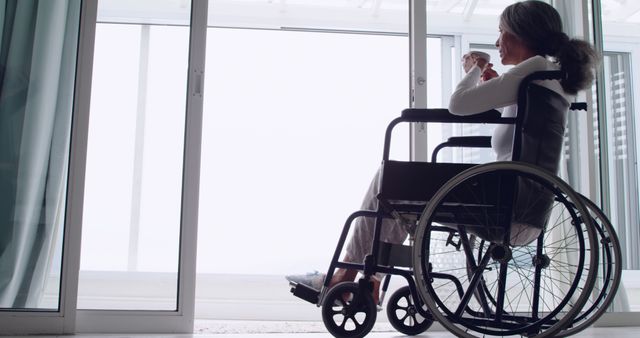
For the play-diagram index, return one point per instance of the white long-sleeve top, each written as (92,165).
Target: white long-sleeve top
(472,97)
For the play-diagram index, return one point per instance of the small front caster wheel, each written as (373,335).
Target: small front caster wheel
(402,311)
(348,310)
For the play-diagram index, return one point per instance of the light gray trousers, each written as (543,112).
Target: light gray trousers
(361,240)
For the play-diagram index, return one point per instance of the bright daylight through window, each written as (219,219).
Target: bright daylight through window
(297,97)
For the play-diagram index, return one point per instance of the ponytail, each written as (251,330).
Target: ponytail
(576,58)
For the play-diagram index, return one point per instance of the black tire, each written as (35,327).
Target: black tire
(609,272)
(473,202)
(348,310)
(403,314)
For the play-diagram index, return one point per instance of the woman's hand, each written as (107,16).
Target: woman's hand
(488,72)
(472,59)
(480,62)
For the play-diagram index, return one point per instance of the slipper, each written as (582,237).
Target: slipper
(314,280)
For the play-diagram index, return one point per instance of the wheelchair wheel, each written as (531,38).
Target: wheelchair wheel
(403,314)
(476,281)
(608,275)
(348,310)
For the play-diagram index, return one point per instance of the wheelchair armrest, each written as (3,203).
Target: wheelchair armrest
(470,141)
(463,141)
(443,115)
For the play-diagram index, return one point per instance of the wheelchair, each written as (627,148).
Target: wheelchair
(495,249)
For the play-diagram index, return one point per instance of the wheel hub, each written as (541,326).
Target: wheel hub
(542,261)
(501,253)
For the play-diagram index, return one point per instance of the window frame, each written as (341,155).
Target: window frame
(63,320)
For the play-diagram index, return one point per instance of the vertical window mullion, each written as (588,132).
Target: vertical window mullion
(448,45)
(192,159)
(136,189)
(418,71)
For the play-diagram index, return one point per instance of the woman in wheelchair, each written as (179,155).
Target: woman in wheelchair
(531,39)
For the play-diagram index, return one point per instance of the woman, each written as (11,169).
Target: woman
(531,39)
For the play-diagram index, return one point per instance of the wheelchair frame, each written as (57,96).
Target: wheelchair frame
(414,271)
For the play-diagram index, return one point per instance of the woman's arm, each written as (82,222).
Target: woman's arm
(472,98)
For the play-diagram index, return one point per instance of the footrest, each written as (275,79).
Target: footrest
(307,293)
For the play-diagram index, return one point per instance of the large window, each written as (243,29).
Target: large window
(293,129)
(297,97)
(132,210)
(622,164)
(618,136)
(306,125)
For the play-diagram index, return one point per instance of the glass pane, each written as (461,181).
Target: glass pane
(621,30)
(623,179)
(293,128)
(39,47)
(131,229)
(477,23)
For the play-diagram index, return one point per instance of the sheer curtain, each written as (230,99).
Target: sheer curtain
(37,58)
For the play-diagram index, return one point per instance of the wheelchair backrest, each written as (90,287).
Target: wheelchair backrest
(542,114)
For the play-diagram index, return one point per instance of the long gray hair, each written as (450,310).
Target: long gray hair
(539,27)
